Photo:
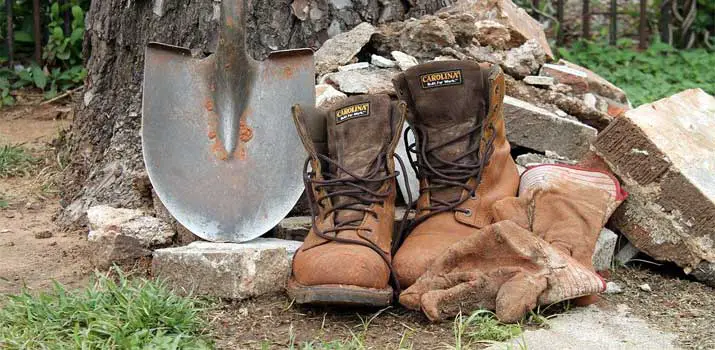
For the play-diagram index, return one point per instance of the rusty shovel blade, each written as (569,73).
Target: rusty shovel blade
(219,144)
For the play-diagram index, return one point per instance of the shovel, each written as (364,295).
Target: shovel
(219,143)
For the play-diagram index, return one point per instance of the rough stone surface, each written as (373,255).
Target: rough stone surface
(293,228)
(382,62)
(425,37)
(492,33)
(552,97)
(663,153)
(524,60)
(342,48)
(592,328)
(538,129)
(539,80)
(605,247)
(227,270)
(574,78)
(105,221)
(522,27)
(626,253)
(354,66)
(183,235)
(598,84)
(404,61)
(326,95)
(364,81)
(613,288)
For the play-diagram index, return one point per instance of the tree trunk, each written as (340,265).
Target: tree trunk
(104,141)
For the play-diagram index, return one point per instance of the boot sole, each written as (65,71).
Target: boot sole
(338,294)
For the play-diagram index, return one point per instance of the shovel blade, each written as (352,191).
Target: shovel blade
(220,196)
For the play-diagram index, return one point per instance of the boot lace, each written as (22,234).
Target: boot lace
(357,188)
(445,174)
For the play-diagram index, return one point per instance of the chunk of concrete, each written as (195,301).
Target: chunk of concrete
(532,159)
(118,235)
(404,61)
(536,128)
(382,62)
(522,27)
(492,33)
(574,78)
(363,81)
(524,60)
(627,253)
(592,328)
(538,80)
(227,270)
(598,84)
(326,95)
(293,228)
(605,247)
(354,66)
(342,48)
(663,152)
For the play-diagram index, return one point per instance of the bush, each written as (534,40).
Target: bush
(649,75)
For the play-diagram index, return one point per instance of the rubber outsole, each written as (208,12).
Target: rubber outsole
(338,294)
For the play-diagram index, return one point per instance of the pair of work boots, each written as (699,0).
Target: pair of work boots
(352,254)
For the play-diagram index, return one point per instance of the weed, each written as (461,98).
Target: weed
(649,75)
(15,161)
(481,327)
(109,314)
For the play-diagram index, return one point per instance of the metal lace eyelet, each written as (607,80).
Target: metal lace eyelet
(473,195)
(468,212)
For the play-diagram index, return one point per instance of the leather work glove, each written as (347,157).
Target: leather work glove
(539,251)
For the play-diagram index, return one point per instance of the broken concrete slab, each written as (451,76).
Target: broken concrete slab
(574,78)
(536,128)
(524,60)
(326,95)
(598,84)
(593,328)
(403,60)
(423,38)
(227,270)
(532,159)
(522,27)
(605,247)
(538,80)
(663,153)
(354,66)
(342,48)
(492,33)
(382,62)
(363,81)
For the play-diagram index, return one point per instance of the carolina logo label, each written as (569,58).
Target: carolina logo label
(351,112)
(439,79)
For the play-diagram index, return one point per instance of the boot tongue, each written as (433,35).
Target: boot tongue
(359,129)
(447,99)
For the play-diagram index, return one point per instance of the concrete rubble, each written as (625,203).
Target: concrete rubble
(227,270)
(663,153)
(119,235)
(342,48)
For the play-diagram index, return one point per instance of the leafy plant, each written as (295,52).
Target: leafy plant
(62,50)
(14,161)
(110,314)
(649,75)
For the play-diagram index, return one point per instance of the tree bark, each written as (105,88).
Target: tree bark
(104,142)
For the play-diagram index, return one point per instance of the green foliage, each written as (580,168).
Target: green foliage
(14,161)
(61,50)
(122,314)
(482,326)
(649,75)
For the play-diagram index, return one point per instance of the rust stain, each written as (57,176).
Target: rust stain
(242,153)
(246,133)
(212,134)
(209,104)
(229,22)
(219,150)
(287,73)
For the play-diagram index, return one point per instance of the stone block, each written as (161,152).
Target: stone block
(538,129)
(663,153)
(539,80)
(574,78)
(342,48)
(326,95)
(598,84)
(227,270)
(362,81)
(605,248)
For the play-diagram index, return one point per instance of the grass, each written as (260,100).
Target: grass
(646,76)
(109,314)
(481,326)
(15,160)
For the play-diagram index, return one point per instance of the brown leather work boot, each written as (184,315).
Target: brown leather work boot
(346,258)
(462,156)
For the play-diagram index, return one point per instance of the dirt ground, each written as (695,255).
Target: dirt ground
(674,304)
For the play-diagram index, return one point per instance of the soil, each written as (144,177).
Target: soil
(674,304)
(33,252)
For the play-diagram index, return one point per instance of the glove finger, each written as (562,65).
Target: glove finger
(512,209)
(518,296)
(478,293)
(410,298)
